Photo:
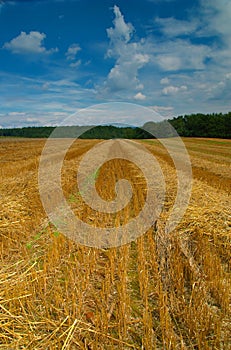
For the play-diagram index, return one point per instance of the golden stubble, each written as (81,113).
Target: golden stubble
(163,291)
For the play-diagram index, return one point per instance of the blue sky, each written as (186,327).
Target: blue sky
(57,57)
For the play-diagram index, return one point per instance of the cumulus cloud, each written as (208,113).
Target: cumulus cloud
(173,90)
(172,27)
(71,55)
(165,81)
(72,52)
(140,97)
(218,14)
(181,54)
(31,43)
(177,51)
(221,90)
(169,62)
(122,31)
(75,64)
(130,56)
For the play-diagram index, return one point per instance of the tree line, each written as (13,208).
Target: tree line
(203,125)
(82,132)
(216,125)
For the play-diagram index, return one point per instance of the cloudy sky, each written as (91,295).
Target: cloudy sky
(57,57)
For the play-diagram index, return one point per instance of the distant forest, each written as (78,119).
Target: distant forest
(194,125)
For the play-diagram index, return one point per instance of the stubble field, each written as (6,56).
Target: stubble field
(160,292)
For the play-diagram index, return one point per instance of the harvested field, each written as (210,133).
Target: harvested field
(159,292)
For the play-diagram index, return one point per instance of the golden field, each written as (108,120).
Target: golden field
(159,292)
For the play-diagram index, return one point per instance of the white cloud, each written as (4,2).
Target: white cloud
(164,111)
(124,75)
(31,43)
(172,27)
(45,86)
(218,14)
(165,81)
(173,90)
(140,97)
(31,120)
(162,108)
(221,90)
(199,46)
(29,97)
(169,62)
(18,119)
(175,55)
(122,31)
(16,114)
(72,52)
(130,56)
(75,64)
